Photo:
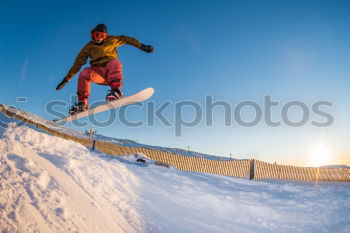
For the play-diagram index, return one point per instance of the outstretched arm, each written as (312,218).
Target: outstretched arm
(80,60)
(121,40)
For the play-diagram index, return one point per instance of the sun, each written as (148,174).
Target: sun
(320,155)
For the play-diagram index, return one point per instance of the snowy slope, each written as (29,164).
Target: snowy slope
(48,184)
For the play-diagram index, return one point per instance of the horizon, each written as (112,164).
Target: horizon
(234,51)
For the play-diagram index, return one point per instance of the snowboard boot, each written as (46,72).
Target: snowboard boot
(114,94)
(78,107)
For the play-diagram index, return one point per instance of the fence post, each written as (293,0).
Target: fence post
(252,169)
(94,145)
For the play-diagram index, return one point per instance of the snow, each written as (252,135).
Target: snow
(49,184)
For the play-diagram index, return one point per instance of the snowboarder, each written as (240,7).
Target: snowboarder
(105,67)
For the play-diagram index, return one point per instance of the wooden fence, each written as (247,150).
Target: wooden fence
(249,168)
(265,170)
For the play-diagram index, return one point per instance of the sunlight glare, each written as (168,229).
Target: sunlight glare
(320,155)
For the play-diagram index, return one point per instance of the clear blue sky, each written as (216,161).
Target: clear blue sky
(234,50)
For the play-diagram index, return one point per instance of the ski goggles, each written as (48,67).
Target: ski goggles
(98,36)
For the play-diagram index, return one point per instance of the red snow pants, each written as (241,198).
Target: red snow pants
(110,74)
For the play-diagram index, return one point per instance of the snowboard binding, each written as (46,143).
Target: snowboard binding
(78,107)
(114,94)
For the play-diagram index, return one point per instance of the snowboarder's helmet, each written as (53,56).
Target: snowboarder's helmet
(100,28)
(99,33)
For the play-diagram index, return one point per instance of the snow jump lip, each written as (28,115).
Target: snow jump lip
(135,98)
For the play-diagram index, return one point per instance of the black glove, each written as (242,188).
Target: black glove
(62,84)
(146,48)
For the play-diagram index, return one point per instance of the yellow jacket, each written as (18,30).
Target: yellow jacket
(100,54)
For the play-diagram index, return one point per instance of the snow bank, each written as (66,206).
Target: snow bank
(42,187)
(52,185)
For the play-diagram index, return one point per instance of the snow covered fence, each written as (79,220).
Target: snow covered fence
(250,169)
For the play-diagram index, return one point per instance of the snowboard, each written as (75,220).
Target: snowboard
(138,97)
